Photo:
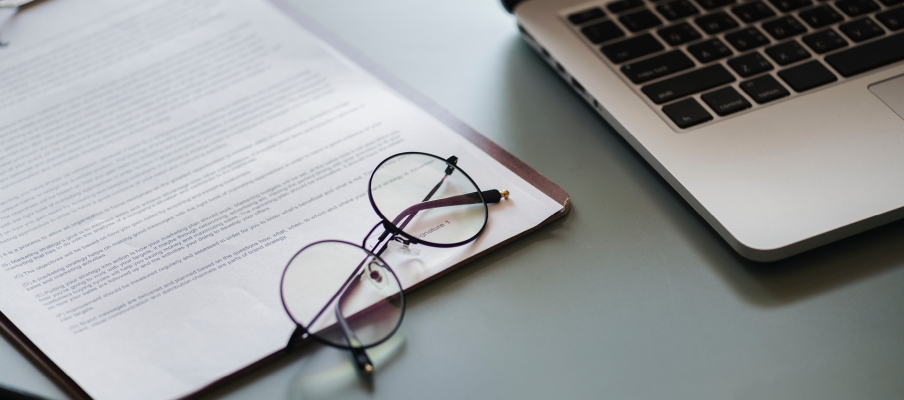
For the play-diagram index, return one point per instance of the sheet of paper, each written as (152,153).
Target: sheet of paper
(5,15)
(161,161)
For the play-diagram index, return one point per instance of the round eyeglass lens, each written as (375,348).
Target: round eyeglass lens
(428,198)
(342,294)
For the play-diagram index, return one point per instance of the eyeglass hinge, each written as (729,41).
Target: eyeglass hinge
(452,160)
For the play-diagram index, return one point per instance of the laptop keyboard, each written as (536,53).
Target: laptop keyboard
(698,61)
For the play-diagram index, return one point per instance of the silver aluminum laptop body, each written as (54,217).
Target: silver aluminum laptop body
(775,179)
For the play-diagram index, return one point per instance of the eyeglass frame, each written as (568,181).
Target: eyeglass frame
(390,232)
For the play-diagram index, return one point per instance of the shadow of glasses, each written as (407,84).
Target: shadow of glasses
(329,373)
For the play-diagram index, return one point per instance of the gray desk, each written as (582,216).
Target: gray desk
(631,296)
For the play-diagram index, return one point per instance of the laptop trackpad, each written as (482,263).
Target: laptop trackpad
(891,92)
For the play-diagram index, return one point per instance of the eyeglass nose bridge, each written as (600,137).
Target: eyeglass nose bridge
(393,230)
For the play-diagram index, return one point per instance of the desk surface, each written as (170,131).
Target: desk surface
(631,296)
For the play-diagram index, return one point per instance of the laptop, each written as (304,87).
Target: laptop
(780,121)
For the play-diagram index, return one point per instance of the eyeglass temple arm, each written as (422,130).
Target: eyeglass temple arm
(359,355)
(489,196)
(362,361)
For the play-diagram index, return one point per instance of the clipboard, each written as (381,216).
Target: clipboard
(547,187)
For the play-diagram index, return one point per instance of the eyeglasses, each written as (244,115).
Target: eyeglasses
(345,295)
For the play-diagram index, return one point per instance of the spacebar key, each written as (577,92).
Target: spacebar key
(689,83)
(869,56)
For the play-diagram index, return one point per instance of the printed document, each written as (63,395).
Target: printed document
(160,163)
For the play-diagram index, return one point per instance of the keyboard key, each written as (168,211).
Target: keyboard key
(862,29)
(659,66)
(891,2)
(854,8)
(640,20)
(752,12)
(712,4)
(586,16)
(787,53)
(676,9)
(624,5)
(715,23)
(893,19)
(679,34)
(747,39)
(750,65)
(807,76)
(820,16)
(868,56)
(725,101)
(784,27)
(602,32)
(632,48)
(825,41)
(709,50)
(687,113)
(764,89)
(790,5)
(689,83)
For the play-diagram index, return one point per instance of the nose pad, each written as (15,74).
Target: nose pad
(377,275)
(400,245)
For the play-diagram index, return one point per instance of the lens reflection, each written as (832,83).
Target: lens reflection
(342,294)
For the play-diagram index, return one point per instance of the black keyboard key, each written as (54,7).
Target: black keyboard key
(752,12)
(715,23)
(750,65)
(868,56)
(586,16)
(821,16)
(602,32)
(679,34)
(825,41)
(764,89)
(862,29)
(692,82)
(891,2)
(807,76)
(747,39)
(677,9)
(787,53)
(709,50)
(784,27)
(712,4)
(638,21)
(893,19)
(790,5)
(632,48)
(854,8)
(624,5)
(659,66)
(687,113)
(725,101)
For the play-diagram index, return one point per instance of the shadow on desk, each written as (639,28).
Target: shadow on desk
(315,371)
(836,264)
(774,284)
